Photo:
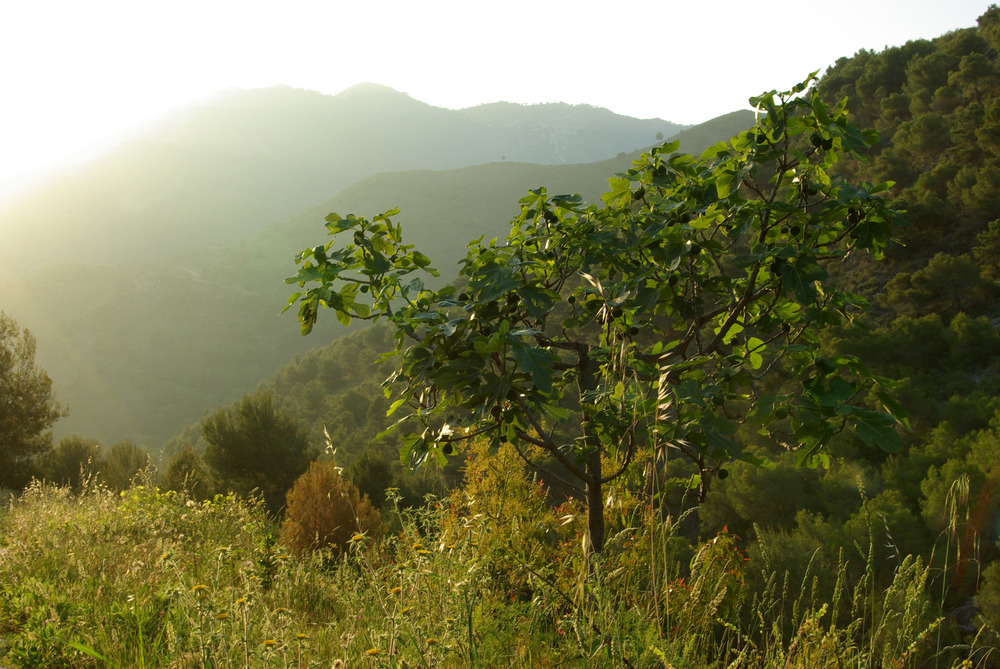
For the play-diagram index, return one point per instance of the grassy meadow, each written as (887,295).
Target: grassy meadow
(491,576)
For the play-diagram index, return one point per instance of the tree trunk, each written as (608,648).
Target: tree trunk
(595,503)
(595,497)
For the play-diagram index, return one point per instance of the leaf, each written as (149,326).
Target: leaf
(754,348)
(716,150)
(291,300)
(876,429)
(819,109)
(414,446)
(538,363)
(555,413)
(376,263)
(494,447)
(894,409)
(83,648)
(419,259)
(538,302)
(336,224)
(717,431)
(620,193)
(567,201)
(728,182)
(734,330)
(704,222)
(801,276)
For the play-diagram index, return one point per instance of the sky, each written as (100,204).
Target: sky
(73,74)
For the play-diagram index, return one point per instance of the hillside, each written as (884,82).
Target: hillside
(141,344)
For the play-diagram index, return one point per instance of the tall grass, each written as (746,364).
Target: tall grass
(151,579)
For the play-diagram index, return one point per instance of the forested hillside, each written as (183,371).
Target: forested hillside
(932,326)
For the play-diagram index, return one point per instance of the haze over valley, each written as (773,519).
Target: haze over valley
(156,276)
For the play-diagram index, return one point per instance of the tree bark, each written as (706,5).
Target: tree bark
(595,496)
(595,503)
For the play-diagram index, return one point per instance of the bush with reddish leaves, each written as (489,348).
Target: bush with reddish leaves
(324,510)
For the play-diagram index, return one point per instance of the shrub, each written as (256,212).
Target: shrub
(73,459)
(254,448)
(324,510)
(122,464)
(187,473)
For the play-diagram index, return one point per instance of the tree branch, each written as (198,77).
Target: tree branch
(548,472)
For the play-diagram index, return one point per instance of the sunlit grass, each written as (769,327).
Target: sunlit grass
(150,579)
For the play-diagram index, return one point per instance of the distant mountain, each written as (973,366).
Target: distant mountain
(223,169)
(575,133)
(141,338)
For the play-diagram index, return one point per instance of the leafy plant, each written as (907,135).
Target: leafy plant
(324,510)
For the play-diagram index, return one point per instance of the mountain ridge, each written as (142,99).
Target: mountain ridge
(225,168)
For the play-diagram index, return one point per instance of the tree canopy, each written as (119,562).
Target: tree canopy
(28,407)
(648,323)
(256,448)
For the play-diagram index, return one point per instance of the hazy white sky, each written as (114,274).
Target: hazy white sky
(73,73)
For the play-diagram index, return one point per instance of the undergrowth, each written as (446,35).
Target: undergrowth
(491,576)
